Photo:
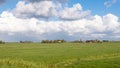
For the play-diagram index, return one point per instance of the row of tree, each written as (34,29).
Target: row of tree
(53,41)
(64,41)
(75,41)
(25,41)
(87,41)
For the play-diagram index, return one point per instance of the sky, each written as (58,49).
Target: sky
(36,20)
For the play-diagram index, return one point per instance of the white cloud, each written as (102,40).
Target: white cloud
(73,13)
(35,29)
(109,3)
(49,9)
(42,9)
(111,21)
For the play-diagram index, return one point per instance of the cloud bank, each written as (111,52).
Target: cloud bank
(28,22)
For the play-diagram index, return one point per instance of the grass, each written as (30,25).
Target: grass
(60,55)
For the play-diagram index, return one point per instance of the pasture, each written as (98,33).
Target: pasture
(60,55)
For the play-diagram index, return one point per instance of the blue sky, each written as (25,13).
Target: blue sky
(73,19)
(98,7)
(8,5)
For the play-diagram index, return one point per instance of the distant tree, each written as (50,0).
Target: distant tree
(46,41)
(105,40)
(53,41)
(2,42)
(93,41)
(63,41)
(25,41)
(77,41)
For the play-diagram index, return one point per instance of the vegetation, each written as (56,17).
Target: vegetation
(93,41)
(1,42)
(64,55)
(25,41)
(87,41)
(105,40)
(53,41)
(77,41)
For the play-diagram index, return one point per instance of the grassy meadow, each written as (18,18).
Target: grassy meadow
(60,55)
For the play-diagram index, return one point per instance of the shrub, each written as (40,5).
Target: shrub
(105,40)
(25,41)
(93,41)
(77,41)
(1,42)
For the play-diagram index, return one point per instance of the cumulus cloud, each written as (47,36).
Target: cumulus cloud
(2,1)
(109,3)
(48,9)
(44,9)
(35,29)
(73,13)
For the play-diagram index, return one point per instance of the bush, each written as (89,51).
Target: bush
(93,41)
(105,40)
(77,41)
(1,42)
(25,41)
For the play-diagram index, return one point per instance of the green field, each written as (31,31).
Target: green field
(60,55)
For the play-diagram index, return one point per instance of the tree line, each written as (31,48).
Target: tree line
(53,41)
(64,41)
(75,41)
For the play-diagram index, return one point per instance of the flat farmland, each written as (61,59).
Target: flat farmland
(60,55)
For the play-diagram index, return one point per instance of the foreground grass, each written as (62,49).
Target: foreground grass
(63,55)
